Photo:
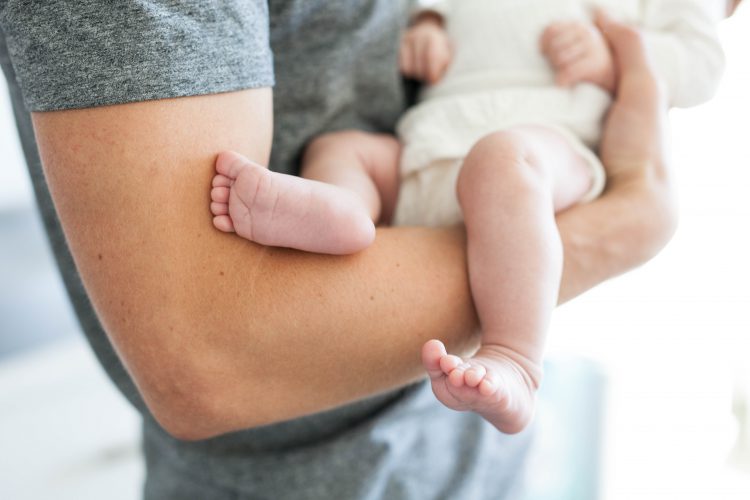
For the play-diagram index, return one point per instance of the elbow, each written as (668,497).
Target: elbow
(662,222)
(192,415)
(198,377)
(192,393)
(183,431)
(216,411)
(216,406)
(665,226)
(187,420)
(653,198)
(192,432)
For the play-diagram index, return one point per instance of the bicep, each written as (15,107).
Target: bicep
(133,179)
(131,187)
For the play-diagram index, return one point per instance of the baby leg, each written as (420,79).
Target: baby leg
(364,163)
(509,188)
(283,210)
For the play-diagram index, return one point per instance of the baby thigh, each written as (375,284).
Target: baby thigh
(553,159)
(532,157)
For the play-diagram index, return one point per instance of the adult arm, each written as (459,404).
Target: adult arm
(220,334)
(637,215)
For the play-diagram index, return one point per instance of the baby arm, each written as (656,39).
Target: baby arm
(682,42)
(578,53)
(425,52)
(680,38)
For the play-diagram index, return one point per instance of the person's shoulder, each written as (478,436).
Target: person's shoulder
(86,53)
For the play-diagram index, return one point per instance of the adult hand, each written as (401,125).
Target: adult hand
(636,216)
(633,143)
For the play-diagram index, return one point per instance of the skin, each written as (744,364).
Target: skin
(220,334)
(425,52)
(578,53)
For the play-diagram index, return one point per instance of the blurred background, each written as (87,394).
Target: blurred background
(648,387)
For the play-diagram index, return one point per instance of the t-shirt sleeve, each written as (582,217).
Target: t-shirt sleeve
(84,53)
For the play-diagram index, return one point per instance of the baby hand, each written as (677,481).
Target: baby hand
(425,50)
(579,53)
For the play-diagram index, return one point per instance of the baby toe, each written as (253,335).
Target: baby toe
(474,375)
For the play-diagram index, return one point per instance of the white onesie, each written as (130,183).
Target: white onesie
(499,78)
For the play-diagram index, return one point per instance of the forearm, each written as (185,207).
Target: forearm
(625,228)
(296,333)
(637,215)
(220,334)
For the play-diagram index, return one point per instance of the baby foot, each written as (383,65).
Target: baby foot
(286,211)
(492,384)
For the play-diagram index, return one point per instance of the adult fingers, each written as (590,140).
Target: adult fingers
(638,87)
(633,139)
(627,45)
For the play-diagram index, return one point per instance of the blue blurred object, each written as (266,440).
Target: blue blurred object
(34,308)
(566,461)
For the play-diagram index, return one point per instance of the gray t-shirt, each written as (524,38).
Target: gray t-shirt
(335,66)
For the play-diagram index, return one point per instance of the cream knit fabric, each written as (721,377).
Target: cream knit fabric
(499,78)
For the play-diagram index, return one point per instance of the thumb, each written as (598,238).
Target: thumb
(626,42)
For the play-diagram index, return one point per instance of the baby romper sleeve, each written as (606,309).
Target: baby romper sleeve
(682,39)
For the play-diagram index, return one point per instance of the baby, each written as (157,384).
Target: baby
(503,138)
